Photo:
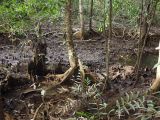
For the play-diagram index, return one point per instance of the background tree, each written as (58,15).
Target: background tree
(20,17)
(147,14)
(81,19)
(38,65)
(90,15)
(108,44)
(140,39)
(69,40)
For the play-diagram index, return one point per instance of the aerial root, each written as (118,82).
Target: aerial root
(57,79)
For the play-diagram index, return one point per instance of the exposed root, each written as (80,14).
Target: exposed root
(54,80)
(82,72)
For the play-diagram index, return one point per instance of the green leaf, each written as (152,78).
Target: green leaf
(117,104)
(127,97)
(119,113)
(137,95)
(131,106)
(126,110)
(136,103)
(122,100)
(141,102)
(131,95)
(83,114)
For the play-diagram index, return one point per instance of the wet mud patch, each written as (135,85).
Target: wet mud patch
(22,101)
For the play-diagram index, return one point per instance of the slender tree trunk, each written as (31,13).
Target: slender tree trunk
(81,18)
(69,41)
(108,44)
(73,60)
(90,15)
(140,41)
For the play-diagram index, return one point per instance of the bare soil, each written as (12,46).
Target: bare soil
(21,101)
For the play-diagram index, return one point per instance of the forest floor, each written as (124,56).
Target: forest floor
(21,102)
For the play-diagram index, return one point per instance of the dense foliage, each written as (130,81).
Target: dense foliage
(17,16)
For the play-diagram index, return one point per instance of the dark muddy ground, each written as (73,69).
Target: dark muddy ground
(92,54)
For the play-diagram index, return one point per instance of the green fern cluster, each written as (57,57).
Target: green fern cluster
(130,102)
(149,111)
(92,97)
(135,102)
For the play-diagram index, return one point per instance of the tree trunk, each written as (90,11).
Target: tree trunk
(69,41)
(108,44)
(37,65)
(40,52)
(141,36)
(73,60)
(90,15)
(39,58)
(81,18)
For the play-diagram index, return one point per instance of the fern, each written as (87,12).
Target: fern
(146,109)
(131,101)
(87,82)
(149,112)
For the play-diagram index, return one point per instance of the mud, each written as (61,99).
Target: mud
(22,101)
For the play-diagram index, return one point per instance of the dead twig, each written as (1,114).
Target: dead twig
(37,110)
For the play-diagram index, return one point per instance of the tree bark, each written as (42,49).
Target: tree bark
(73,60)
(69,41)
(141,36)
(108,44)
(90,15)
(81,19)
(37,65)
